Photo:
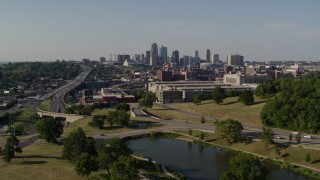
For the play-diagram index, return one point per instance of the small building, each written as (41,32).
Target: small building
(245,79)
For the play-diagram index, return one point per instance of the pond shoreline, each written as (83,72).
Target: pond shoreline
(300,169)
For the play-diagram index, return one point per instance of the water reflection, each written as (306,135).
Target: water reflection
(195,161)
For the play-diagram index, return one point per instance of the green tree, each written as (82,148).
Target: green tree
(296,105)
(202,120)
(245,167)
(110,150)
(124,168)
(267,136)
(123,107)
(246,97)
(147,100)
(218,95)
(120,118)
(197,99)
(201,136)
(77,143)
(10,148)
(97,121)
(298,138)
(49,129)
(109,120)
(190,132)
(69,110)
(308,158)
(85,164)
(230,130)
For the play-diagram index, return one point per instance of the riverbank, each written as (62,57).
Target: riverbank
(269,157)
(257,149)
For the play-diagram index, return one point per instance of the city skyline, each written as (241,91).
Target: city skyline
(260,31)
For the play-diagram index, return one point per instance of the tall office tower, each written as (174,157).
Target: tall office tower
(175,55)
(123,57)
(163,53)
(236,60)
(148,56)
(142,57)
(215,58)
(137,57)
(154,54)
(208,55)
(196,54)
(186,60)
(102,59)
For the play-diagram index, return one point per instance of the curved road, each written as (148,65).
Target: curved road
(249,130)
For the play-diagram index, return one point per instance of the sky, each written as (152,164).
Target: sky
(47,30)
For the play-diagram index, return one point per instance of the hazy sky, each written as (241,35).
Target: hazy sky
(46,30)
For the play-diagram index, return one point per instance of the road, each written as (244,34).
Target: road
(57,102)
(249,130)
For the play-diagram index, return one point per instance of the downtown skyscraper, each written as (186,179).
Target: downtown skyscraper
(208,55)
(154,54)
(163,53)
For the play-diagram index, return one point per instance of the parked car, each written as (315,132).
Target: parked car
(279,137)
(307,136)
(295,132)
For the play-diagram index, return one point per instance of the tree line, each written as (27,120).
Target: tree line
(296,104)
(27,72)
(219,94)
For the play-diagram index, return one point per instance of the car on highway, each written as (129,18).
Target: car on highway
(308,136)
(279,137)
(295,132)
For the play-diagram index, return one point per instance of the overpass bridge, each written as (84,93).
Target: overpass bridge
(68,117)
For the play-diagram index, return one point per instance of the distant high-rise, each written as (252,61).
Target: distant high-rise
(148,56)
(196,54)
(215,58)
(154,54)
(137,57)
(175,55)
(142,57)
(163,53)
(102,59)
(208,55)
(123,57)
(236,60)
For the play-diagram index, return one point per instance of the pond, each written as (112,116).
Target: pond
(195,161)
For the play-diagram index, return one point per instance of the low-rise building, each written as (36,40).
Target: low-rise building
(245,78)
(178,91)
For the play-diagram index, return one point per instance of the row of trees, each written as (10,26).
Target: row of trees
(112,155)
(12,73)
(219,94)
(80,110)
(119,116)
(244,166)
(297,104)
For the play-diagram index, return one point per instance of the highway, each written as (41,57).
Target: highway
(57,95)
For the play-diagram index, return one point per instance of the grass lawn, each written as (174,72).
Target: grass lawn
(44,105)
(39,161)
(23,121)
(230,108)
(101,111)
(159,111)
(83,123)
